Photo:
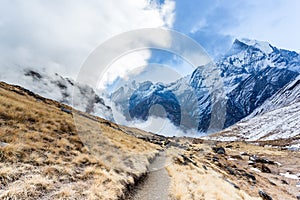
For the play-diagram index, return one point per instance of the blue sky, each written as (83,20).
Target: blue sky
(57,36)
(204,22)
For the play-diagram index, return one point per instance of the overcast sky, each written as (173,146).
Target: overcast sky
(58,35)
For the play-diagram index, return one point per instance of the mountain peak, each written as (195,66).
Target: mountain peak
(261,45)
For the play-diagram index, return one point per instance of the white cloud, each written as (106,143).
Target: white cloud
(57,36)
(167,12)
(125,66)
(162,126)
(154,124)
(198,26)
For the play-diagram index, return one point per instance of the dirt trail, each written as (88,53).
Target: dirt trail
(156,184)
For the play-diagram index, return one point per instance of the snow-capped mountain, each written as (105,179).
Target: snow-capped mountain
(62,90)
(249,57)
(286,96)
(252,71)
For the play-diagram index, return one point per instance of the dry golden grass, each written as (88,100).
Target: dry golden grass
(44,157)
(194,182)
(195,175)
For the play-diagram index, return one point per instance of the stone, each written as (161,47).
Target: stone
(3,144)
(230,170)
(219,150)
(264,195)
(265,169)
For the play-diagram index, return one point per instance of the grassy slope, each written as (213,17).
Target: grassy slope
(42,155)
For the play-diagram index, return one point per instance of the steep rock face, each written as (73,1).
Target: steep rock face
(188,101)
(148,95)
(253,91)
(284,97)
(210,94)
(251,72)
(64,90)
(121,97)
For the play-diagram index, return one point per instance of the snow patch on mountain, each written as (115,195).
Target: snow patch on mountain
(281,123)
(262,45)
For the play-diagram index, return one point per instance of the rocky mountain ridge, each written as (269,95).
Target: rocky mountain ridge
(252,72)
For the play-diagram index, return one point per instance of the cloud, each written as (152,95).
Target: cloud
(168,14)
(57,36)
(198,26)
(162,126)
(124,67)
(157,125)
